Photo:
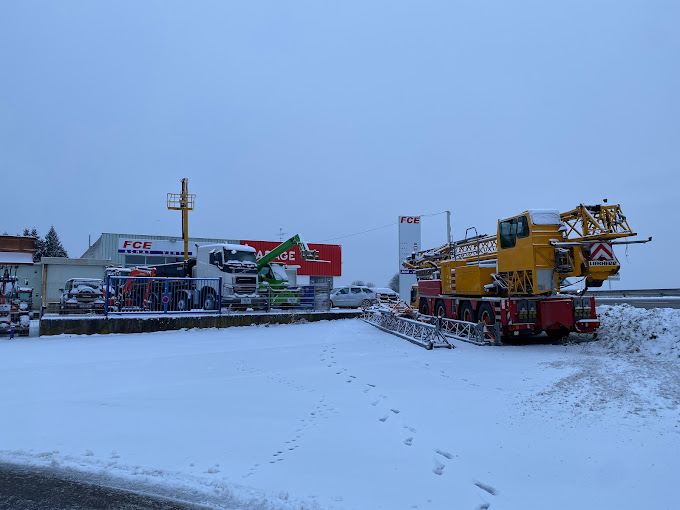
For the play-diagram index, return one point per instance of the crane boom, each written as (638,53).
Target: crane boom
(305,251)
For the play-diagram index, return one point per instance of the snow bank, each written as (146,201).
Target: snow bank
(653,333)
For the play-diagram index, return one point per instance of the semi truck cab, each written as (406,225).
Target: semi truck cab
(237,267)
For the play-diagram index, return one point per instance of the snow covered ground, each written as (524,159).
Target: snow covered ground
(339,414)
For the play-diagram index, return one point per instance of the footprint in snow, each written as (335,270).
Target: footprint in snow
(395,411)
(383,419)
(486,488)
(438,468)
(444,454)
(408,441)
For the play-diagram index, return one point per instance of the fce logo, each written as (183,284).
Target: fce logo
(410,219)
(137,245)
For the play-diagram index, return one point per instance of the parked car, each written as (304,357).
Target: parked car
(82,295)
(353,296)
(386,295)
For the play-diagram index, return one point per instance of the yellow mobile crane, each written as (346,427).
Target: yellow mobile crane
(515,276)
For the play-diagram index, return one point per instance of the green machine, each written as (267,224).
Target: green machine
(274,278)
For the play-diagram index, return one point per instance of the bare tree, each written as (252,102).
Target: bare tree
(394,283)
(362,283)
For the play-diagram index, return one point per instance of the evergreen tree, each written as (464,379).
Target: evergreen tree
(53,247)
(39,243)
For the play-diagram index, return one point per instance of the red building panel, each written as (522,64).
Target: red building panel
(331,253)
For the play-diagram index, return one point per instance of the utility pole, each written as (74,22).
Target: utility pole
(183,202)
(448,227)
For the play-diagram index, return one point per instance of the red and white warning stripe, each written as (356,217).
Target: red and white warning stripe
(601,251)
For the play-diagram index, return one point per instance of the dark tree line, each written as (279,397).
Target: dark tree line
(50,246)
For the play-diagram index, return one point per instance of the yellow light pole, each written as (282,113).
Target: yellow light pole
(183,202)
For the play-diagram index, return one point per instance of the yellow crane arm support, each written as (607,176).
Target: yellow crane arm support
(596,222)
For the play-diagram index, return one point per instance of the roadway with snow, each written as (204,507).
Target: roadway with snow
(339,414)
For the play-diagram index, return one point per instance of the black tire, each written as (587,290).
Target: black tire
(486,314)
(209,300)
(467,314)
(153,303)
(424,309)
(181,302)
(440,309)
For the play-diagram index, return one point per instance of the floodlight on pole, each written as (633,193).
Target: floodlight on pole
(183,202)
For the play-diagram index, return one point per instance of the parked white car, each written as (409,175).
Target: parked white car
(353,296)
(385,295)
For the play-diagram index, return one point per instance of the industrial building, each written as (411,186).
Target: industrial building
(130,250)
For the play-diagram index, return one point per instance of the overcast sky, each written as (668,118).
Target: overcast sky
(333,118)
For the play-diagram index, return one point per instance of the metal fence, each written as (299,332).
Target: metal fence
(135,294)
(129,295)
(76,296)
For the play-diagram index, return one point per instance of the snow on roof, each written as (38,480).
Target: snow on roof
(16,257)
(236,247)
(545,216)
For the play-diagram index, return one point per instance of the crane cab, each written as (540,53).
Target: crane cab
(526,257)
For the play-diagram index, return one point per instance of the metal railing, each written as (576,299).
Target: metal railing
(300,298)
(68,298)
(143,294)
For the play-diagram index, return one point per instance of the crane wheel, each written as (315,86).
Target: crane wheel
(467,314)
(486,314)
(440,309)
(424,309)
